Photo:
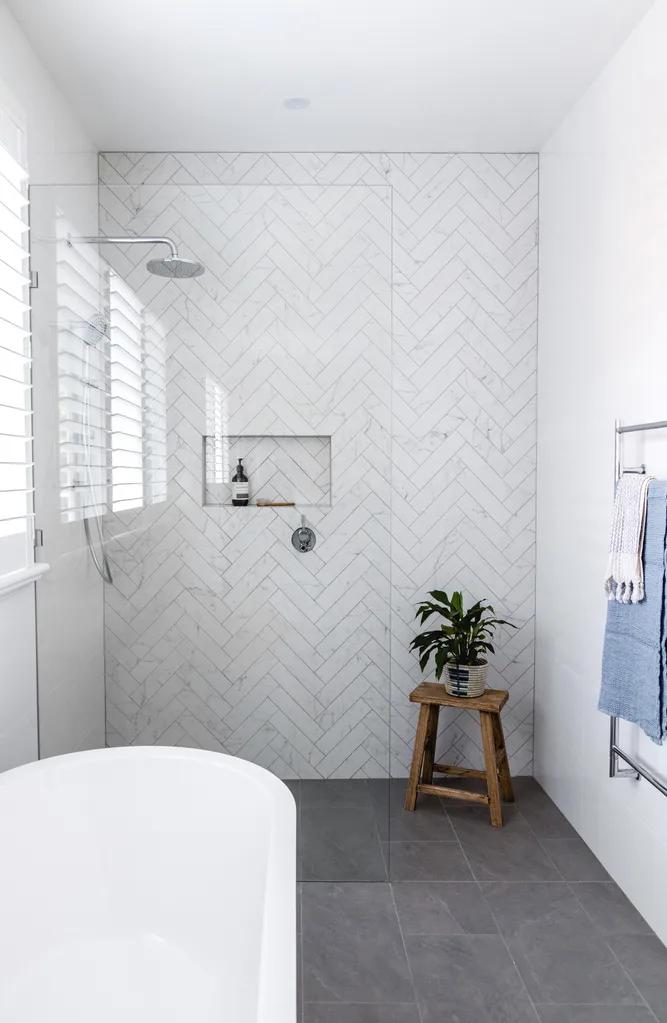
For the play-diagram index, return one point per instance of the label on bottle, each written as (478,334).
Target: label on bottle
(240,491)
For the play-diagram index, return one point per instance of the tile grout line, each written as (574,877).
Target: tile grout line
(269,170)
(537,839)
(493,917)
(639,992)
(301,972)
(385,859)
(405,951)
(568,884)
(608,945)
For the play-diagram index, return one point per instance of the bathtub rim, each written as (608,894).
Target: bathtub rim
(172,753)
(277,993)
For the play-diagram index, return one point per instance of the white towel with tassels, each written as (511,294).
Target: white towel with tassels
(625,567)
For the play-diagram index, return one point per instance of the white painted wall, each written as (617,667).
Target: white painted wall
(58,147)
(69,598)
(602,354)
(18,696)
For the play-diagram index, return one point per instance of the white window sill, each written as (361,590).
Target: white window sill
(16,580)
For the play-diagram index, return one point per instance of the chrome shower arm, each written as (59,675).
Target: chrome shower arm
(131,240)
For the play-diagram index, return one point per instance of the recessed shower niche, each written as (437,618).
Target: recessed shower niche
(280,469)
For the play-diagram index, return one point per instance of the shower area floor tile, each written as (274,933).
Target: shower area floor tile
(436,917)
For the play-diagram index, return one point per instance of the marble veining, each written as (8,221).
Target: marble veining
(387,301)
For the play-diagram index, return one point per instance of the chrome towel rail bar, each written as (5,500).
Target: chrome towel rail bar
(634,769)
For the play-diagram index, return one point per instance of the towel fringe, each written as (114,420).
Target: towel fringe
(624,580)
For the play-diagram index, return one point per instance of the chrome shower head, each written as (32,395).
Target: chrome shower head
(97,328)
(171,266)
(174,266)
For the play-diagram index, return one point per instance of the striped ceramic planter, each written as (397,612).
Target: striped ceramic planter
(466,679)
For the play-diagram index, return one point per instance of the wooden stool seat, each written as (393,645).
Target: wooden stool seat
(432,697)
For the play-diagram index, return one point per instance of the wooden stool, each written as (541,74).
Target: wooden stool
(497,774)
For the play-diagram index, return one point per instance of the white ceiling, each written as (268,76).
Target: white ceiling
(381,74)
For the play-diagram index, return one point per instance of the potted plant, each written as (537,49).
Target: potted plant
(460,645)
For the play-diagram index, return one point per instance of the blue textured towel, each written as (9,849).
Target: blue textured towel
(633,659)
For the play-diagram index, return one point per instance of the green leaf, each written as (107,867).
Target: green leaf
(464,637)
(440,661)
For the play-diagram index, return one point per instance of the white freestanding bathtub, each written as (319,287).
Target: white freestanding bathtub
(146,885)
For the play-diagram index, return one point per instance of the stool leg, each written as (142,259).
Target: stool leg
(503,761)
(429,748)
(492,784)
(417,757)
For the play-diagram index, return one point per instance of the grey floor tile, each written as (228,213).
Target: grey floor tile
(594,1014)
(510,853)
(339,1012)
(428,823)
(541,813)
(426,861)
(340,845)
(559,952)
(335,793)
(534,908)
(295,789)
(574,859)
(299,979)
(645,959)
(609,908)
(388,791)
(442,907)
(425,824)
(353,948)
(525,785)
(467,979)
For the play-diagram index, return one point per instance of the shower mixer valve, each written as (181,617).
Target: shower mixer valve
(303,538)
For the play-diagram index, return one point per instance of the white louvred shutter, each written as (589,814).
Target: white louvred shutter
(112,389)
(138,401)
(16,470)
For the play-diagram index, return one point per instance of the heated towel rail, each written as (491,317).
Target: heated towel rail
(634,769)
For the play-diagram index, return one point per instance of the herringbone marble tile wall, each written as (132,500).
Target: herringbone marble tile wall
(387,301)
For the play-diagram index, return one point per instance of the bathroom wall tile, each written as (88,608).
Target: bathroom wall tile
(432,424)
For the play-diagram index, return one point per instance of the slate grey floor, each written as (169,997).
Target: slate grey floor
(443,919)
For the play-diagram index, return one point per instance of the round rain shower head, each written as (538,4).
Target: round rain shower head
(174,266)
(97,328)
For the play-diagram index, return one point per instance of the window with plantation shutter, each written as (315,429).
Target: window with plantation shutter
(112,388)
(138,401)
(16,494)
(83,376)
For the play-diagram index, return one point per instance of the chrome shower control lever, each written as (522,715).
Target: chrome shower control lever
(303,538)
